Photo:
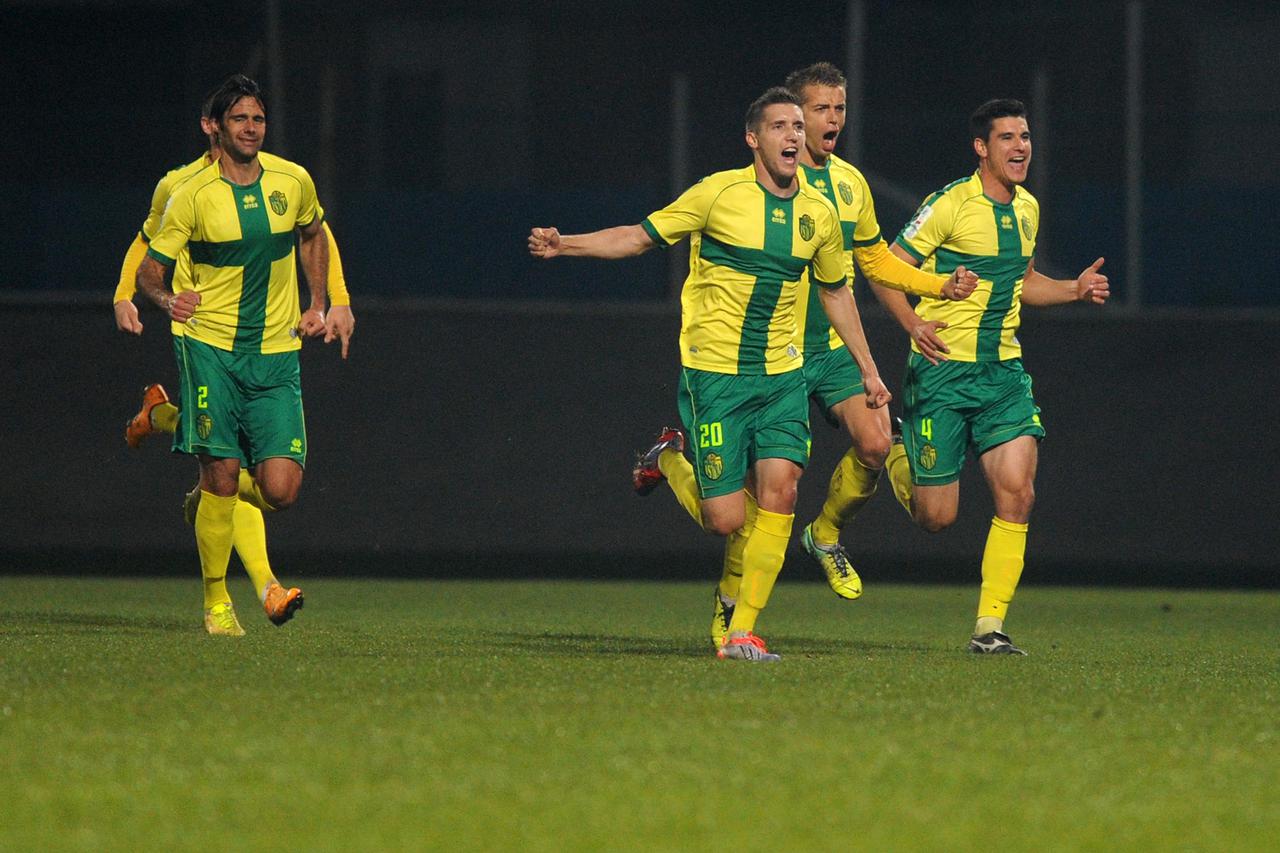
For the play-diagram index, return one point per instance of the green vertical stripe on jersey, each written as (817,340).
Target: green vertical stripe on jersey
(255,230)
(991,326)
(764,295)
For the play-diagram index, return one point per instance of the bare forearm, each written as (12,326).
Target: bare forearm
(624,241)
(151,282)
(842,311)
(1040,290)
(314,251)
(897,305)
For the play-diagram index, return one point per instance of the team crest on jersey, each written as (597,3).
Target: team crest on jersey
(713,466)
(928,457)
(279,203)
(1026,228)
(846,192)
(250,202)
(204,426)
(917,222)
(806,227)
(779,216)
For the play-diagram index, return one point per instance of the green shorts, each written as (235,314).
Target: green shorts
(831,377)
(245,406)
(955,405)
(733,421)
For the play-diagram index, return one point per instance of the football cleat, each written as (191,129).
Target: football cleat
(646,475)
(720,619)
(995,643)
(220,621)
(281,603)
(191,505)
(744,645)
(834,561)
(140,426)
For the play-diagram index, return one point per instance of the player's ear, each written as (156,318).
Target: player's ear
(980,147)
(753,141)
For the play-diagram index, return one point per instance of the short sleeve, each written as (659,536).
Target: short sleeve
(682,217)
(929,228)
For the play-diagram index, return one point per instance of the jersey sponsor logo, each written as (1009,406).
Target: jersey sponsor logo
(249,202)
(792,352)
(713,466)
(917,222)
(1006,222)
(846,192)
(928,457)
(279,203)
(806,227)
(204,426)
(1026,227)
(779,216)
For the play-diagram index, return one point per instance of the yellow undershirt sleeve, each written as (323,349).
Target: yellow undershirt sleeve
(337,281)
(883,267)
(125,288)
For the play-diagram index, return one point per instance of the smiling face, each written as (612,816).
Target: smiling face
(1003,157)
(776,142)
(824,115)
(242,129)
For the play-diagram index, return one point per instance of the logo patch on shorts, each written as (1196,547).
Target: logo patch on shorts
(713,466)
(204,426)
(928,457)
(295,446)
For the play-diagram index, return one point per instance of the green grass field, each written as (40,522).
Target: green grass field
(593,716)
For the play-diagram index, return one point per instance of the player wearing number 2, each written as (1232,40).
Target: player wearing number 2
(965,386)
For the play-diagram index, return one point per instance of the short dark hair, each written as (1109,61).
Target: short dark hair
(817,74)
(224,97)
(771,96)
(984,116)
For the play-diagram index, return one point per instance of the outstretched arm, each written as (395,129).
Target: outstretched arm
(1090,286)
(624,241)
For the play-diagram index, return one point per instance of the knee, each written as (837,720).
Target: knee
(781,498)
(1015,505)
(933,520)
(871,450)
(723,525)
(281,495)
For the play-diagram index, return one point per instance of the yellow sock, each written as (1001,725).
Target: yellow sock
(899,471)
(250,540)
(164,417)
(852,485)
(762,558)
(214,528)
(1002,562)
(250,491)
(734,544)
(683,482)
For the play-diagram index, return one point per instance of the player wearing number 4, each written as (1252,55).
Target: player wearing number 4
(235,220)
(753,232)
(965,386)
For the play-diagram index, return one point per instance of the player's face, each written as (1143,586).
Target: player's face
(241,131)
(824,109)
(1006,153)
(777,141)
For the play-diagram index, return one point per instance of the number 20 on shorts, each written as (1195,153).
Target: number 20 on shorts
(710,435)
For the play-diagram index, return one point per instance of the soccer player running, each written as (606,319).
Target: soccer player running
(159,414)
(753,231)
(965,386)
(237,309)
(832,377)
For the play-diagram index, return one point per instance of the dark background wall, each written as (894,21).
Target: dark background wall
(486,420)
(499,442)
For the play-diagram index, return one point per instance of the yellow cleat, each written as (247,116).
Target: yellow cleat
(834,561)
(720,618)
(281,603)
(140,425)
(220,621)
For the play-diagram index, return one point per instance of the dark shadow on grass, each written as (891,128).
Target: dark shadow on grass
(817,647)
(575,645)
(30,622)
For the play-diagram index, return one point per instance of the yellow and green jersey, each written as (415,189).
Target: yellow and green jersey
(241,243)
(748,250)
(961,225)
(846,188)
(165,189)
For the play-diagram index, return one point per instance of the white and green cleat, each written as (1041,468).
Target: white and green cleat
(834,560)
